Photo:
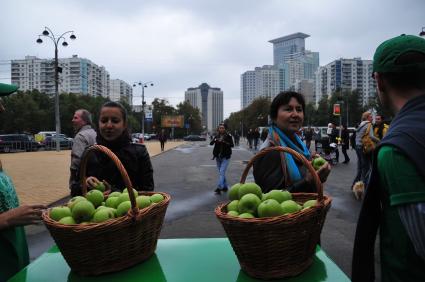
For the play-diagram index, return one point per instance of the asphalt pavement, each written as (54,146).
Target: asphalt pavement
(189,175)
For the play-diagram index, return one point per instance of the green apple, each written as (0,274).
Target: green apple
(115,194)
(234,192)
(143,201)
(318,163)
(103,215)
(134,191)
(75,200)
(123,208)
(270,208)
(112,202)
(67,220)
(156,198)
(83,211)
(95,197)
(249,188)
(233,213)
(100,186)
(123,198)
(233,206)
(278,195)
(248,203)
(290,206)
(100,208)
(57,213)
(309,203)
(246,215)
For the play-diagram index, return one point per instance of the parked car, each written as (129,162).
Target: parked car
(194,138)
(50,143)
(18,142)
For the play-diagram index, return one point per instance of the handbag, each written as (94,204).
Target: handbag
(367,142)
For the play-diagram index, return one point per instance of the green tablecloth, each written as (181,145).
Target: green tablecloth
(182,260)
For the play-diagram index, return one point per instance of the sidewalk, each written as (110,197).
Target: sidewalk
(42,177)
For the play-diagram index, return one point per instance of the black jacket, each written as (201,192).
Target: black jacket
(135,159)
(222,146)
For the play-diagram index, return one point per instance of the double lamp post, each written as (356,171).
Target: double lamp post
(143,85)
(56,40)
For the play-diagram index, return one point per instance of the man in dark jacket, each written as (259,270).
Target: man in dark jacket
(223,143)
(395,197)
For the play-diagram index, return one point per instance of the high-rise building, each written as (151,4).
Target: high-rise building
(346,75)
(266,81)
(120,91)
(78,75)
(294,67)
(209,101)
(306,87)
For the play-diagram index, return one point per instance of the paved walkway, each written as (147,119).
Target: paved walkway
(42,177)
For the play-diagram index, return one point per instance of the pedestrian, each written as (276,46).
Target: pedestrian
(364,133)
(333,138)
(250,137)
(85,136)
(353,138)
(223,144)
(113,133)
(380,128)
(277,170)
(345,143)
(264,134)
(236,137)
(256,138)
(162,137)
(395,197)
(14,254)
(308,136)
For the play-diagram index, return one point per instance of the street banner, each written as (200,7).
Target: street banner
(172,121)
(337,109)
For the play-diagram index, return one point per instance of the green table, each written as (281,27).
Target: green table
(182,260)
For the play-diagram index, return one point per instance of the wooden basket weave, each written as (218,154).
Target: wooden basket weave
(113,245)
(282,246)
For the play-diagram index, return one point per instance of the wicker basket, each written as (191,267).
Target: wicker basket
(277,247)
(96,248)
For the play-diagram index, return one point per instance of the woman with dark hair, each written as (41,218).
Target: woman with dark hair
(113,133)
(277,170)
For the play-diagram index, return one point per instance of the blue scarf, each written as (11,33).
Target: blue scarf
(280,138)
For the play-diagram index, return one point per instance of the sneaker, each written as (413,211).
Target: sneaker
(225,189)
(217,191)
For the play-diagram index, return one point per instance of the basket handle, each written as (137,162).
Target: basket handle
(118,164)
(298,156)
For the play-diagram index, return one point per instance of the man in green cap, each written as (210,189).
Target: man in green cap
(13,245)
(395,197)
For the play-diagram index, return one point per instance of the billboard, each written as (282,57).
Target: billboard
(172,121)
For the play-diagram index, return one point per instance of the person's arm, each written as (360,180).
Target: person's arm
(23,215)
(79,145)
(146,171)
(413,218)
(214,139)
(372,136)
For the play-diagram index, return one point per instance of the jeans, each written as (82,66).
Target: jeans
(363,166)
(222,164)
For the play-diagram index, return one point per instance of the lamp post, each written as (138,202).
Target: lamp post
(143,85)
(56,40)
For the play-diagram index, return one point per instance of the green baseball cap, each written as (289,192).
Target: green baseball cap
(6,89)
(388,55)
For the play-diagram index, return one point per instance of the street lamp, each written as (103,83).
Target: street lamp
(56,40)
(143,85)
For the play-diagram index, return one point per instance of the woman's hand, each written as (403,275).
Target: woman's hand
(323,173)
(92,181)
(23,215)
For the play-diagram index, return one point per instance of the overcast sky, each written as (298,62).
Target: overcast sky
(181,44)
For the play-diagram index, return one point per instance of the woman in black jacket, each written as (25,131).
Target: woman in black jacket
(223,143)
(277,170)
(113,133)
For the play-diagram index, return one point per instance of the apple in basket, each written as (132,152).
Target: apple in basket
(233,213)
(103,215)
(156,198)
(100,186)
(83,211)
(123,208)
(57,213)
(234,192)
(112,202)
(318,163)
(67,220)
(270,208)
(143,201)
(115,194)
(278,195)
(233,206)
(95,197)
(249,188)
(246,215)
(75,200)
(290,206)
(309,204)
(249,203)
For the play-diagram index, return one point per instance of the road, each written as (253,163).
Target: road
(189,175)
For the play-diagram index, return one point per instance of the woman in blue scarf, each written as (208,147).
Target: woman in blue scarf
(278,170)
